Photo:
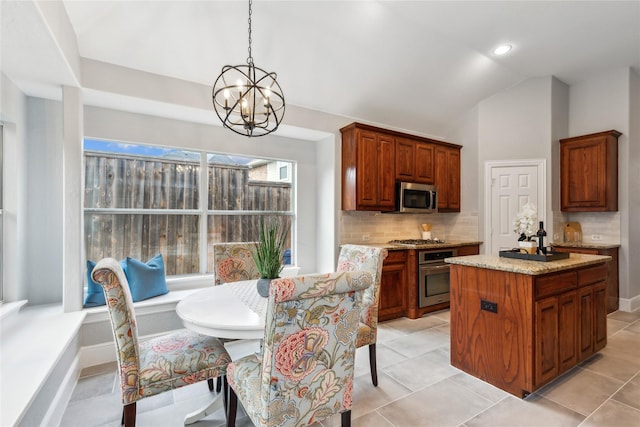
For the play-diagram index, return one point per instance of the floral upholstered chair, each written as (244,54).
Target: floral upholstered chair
(355,257)
(233,262)
(305,372)
(159,364)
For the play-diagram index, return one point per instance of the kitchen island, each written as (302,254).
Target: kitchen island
(519,324)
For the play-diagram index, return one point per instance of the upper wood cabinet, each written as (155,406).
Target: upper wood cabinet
(447,179)
(589,172)
(414,161)
(368,170)
(374,159)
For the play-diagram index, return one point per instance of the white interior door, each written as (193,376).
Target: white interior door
(510,186)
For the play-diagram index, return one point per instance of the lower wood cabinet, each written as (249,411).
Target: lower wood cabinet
(393,285)
(571,325)
(555,332)
(613,291)
(399,284)
(592,320)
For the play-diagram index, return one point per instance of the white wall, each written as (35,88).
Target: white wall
(13,115)
(328,187)
(465,133)
(44,214)
(603,102)
(516,124)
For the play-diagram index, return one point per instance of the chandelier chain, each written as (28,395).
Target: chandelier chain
(252,106)
(250,58)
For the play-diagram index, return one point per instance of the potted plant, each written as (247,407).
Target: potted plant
(524,227)
(268,253)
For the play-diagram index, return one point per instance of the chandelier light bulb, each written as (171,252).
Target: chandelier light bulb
(226,95)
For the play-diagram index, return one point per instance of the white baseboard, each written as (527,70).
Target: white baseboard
(629,304)
(54,414)
(97,354)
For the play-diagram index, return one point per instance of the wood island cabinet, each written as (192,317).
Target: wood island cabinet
(589,172)
(414,161)
(368,177)
(613,285)
(520,331)
(447,179)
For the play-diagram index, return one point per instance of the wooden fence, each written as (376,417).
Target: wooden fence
(116,181)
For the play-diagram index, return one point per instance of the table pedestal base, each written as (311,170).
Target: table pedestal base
(216,404)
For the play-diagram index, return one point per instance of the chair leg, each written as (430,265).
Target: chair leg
(232,408)
(346,418)
(225,395)
(129,415)
(372,364)
(210,383)
(218,385)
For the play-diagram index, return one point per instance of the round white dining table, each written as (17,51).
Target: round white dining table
(231,310)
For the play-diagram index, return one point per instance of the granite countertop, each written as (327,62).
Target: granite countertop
(494,262)
(447,244)
(586,245)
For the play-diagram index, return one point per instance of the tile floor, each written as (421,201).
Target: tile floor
(418,387)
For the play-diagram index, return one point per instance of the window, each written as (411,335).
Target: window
(283,172)
(142,200)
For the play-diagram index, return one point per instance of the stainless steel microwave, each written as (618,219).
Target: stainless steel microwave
(416,198)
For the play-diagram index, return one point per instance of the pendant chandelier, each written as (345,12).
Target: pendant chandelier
(247,99)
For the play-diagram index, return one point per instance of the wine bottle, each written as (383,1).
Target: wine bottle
(541,233)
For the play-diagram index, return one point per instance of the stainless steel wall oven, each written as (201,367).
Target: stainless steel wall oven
(433,276)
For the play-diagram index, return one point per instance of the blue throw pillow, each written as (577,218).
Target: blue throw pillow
(95,295)
(146,280)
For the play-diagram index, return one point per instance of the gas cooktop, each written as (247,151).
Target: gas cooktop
(415,242)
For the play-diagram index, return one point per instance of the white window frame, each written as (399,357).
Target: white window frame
(184,281)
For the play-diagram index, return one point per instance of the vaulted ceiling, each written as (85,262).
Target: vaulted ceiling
(414,65)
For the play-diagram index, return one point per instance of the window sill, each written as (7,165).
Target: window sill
(159,304)
(9,308)
(29,346)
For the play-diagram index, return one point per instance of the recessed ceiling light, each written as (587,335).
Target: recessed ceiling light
(502,49)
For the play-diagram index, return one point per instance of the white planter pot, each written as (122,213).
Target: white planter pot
(528,246)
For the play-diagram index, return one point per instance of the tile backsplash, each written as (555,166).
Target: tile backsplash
(593,224)
(374,227)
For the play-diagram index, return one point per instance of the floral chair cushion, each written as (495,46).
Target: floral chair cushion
(355,257)
(159,364)
(305,372)
(233,262)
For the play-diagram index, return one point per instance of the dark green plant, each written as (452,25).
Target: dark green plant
(268,252)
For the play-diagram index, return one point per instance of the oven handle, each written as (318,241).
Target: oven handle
(434,268)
